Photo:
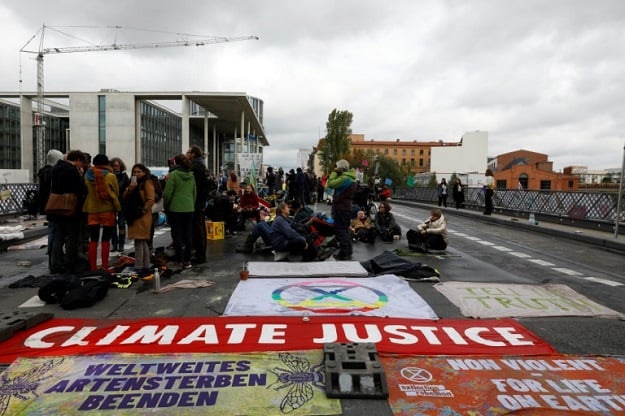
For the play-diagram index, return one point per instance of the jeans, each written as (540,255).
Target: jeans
(181,232)
(342,232)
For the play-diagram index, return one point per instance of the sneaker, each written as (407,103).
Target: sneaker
(186,265)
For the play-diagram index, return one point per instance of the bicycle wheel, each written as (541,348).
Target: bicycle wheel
(372,210)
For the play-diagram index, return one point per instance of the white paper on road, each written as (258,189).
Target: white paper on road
(500,300)
(307,269)
(386,295)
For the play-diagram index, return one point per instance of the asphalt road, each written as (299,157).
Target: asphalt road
(481,250)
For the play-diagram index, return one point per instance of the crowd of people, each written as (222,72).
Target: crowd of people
(111,207)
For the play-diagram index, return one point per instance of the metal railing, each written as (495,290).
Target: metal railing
(598,208)
(12,196)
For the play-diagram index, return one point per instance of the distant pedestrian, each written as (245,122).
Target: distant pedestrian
(233,184)
(442,193)
(458,193)
(489,190)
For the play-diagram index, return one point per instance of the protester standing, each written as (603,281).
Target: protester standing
(141,192)
(45,181)
(179,203)
(489,190)
(343,182)
(119,233)
(458,193)
(102,205)
(200,174)
(442,193)
(66,248)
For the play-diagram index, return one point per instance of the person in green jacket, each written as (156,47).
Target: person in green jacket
(343,181)
(179,203)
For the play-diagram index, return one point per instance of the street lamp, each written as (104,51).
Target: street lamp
(377,163)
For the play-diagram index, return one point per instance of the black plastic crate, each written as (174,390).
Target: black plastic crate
(19,320)
(354,371)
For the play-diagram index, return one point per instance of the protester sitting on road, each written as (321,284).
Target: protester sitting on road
(262,229)
(385,193)
(301,214)
(385,224)
(362,228)
(286,239)
(431,234)
(248,207)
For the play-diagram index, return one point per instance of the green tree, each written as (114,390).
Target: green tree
(433,181)
(336,143)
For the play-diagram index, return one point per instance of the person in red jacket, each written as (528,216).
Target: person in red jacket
(384,194)
(248,207)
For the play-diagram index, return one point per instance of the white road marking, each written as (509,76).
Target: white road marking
(603,281)
(545,263)
(520,255)
(502,248)
(542,262)
(567,271)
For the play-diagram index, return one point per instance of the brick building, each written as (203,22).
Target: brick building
(532,170)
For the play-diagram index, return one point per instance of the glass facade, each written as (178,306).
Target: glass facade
(161,135)
(56,129)
(9,137)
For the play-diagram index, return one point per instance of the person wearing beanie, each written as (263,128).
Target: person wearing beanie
(343,181)
(101,206)
(45,181)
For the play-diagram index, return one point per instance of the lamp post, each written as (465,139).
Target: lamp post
(377,163)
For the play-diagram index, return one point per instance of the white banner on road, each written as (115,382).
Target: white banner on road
(500,300)
(307,269)
(386,295)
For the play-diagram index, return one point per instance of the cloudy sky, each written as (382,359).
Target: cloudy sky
(546,76)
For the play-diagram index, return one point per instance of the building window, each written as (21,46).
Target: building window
(386,151)
(403,152)
(545,185)
(394,152)
(420,152)
(501,184)
(570,184)
(421,162)
(412,162)
(403,162)
(523,180)
(412,152)
(102,124)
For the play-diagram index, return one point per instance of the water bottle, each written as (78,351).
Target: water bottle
(157,281)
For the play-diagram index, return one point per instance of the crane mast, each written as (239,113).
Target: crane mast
(39,123)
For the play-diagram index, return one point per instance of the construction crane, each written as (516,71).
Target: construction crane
(39,123)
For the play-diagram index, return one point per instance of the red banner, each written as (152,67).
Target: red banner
(540,385)
(248,334)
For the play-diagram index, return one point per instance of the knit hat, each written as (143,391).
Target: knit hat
(342,164)
(100,160)
(53,156)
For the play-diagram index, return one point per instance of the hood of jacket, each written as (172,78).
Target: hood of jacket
(90,174)
(183,174)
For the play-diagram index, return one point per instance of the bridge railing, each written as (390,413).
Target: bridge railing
(597,207)
(12,196)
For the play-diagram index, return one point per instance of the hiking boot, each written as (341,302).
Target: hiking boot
(342,256)
(245,248)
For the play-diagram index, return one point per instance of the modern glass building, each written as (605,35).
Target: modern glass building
(146,127)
